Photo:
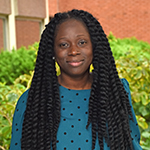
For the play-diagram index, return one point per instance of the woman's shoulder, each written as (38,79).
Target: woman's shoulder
(124,81)
(23,97)
(125,85)
(18,121)
(135,132)
(21,104)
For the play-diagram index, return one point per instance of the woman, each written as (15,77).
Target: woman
(77,110)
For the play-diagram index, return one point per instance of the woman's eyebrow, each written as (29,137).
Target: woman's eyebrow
(80,35)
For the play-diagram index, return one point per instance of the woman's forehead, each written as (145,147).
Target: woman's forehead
(71,24)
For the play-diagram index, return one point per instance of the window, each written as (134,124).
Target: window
(4,42)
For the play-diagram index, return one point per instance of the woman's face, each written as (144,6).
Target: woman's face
(73,48)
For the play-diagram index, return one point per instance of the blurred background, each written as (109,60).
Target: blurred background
(21,21)
(126,24)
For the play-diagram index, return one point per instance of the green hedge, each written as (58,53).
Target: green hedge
(133,63)
(8,98)
(17,62)
(123,47)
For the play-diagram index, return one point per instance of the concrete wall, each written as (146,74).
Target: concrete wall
(31,8)
(7,8)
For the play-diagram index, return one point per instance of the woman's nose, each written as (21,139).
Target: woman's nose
(73,50)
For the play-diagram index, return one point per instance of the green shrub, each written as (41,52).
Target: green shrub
(136,69)
(121,47)
(134,65)
(17,62)
(8,99)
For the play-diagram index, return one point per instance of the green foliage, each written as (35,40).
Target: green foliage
(8,99)
(133,63)
(146,143)
(16,69)
(121,47)
(17,62)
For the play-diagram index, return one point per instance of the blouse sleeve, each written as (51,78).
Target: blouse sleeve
(17,122)
(135,132)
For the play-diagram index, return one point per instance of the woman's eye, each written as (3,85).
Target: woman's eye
(64,45)
(83,42)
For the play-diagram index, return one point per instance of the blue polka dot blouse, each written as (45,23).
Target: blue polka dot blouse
(72,133)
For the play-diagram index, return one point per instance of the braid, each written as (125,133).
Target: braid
(38,122)
(109,93)
(109,108)
(49,92)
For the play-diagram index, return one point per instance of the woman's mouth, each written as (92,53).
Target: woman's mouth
(75,63)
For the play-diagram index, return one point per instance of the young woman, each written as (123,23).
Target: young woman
(77,110)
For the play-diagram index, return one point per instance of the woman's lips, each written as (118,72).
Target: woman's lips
(75,63)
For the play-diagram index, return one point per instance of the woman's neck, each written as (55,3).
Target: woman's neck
(76,83)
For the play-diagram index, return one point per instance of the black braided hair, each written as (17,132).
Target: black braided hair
(109,108)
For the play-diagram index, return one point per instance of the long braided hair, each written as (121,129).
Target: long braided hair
(109,108)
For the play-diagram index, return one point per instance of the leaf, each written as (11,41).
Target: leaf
(6,130)
(141,122)
(144,98)
(138,75)
(12,96)
(145,147)
(146,134)
(143,111)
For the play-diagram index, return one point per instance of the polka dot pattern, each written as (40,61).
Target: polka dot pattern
(17,122)
(73,119)
(72,133)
